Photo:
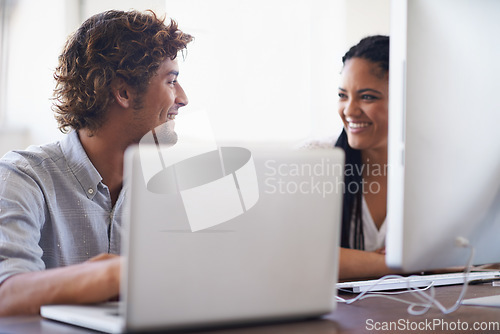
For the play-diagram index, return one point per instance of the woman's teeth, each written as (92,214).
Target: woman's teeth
(171,116)
(358,125)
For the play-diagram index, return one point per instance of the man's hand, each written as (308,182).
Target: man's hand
(95,280)
(102,256)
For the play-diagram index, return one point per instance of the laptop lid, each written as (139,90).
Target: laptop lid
(232,235)
(263,245)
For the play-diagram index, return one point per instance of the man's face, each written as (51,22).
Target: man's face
(162,99)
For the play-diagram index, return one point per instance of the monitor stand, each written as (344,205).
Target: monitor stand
(491,301)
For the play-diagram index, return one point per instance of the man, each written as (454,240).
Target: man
(61,204)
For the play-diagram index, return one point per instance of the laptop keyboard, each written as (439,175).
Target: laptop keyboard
(115,313)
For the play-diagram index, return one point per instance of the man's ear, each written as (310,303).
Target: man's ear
(122,93)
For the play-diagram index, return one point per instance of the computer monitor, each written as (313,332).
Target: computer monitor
(444,136)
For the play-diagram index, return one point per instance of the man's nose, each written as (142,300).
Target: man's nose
(181,98)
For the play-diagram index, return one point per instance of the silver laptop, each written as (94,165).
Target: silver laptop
(224,237)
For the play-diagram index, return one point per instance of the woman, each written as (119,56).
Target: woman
(363,108)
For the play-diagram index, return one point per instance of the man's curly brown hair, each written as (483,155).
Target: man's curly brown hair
(114,44)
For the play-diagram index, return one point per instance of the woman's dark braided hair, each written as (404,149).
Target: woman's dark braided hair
(375,49)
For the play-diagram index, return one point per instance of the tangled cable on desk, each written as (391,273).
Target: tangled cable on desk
(426,295)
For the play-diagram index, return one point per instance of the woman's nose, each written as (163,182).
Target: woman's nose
(351,108)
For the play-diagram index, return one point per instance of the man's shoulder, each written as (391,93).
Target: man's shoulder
(33,156)
(25,172)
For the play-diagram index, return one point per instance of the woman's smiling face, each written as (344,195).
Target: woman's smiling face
(363,104)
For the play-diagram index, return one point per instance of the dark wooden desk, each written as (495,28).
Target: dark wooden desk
(361,317)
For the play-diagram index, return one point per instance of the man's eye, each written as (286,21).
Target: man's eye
(342,95)
(368,97)
(172,82)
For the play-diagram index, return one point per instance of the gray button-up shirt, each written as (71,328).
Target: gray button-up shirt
(54,209)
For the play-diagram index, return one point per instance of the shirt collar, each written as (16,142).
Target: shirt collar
(80,164)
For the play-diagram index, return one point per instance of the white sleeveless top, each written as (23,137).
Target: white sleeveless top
(374,238)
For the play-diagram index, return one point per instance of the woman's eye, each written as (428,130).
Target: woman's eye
(173,82)
(342,95)
(368,97)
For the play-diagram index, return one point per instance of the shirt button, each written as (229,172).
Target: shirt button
(90,191)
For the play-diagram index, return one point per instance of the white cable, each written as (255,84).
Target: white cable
(427,299)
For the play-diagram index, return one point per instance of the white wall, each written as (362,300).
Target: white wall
(35,40)
(91,7)
(366,17)
(265,70)
(268,69)
(253,62)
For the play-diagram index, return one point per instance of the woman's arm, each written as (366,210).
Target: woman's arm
(356,263)
(96,280)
